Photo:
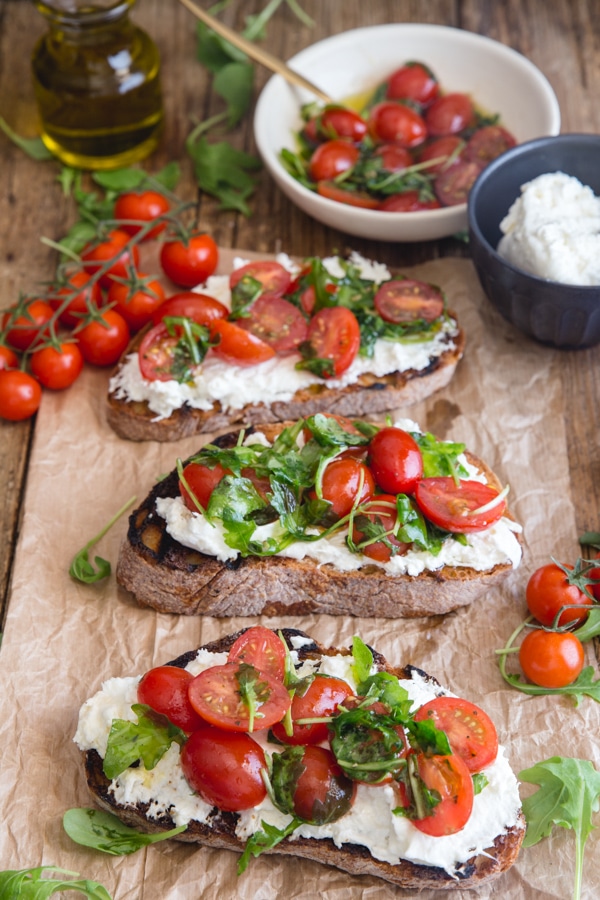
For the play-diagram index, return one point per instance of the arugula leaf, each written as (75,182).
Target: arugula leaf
(583,686)
(33,147)
(263,840)
(81,568)
(363,660)
(569,792)
(30,884)
(147,739)
(105,832)
(440,458)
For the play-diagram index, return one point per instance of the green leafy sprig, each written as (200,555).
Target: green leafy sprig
(31,884)
(81,568)
(105,832)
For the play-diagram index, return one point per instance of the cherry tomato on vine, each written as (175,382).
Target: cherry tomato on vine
(406,300)
(144,206)
(215,695)
(551,659)
(341,484)
(277,322)
(332,159)
(104,339)
(165,689)
(28,327)
(238,346)
(455,507)
(189,262)
(57,368)
(470,731)
(407,201)
(449,776)
(449,114)
(331,191)
(549,589)
(262,648)
(395,460)
(322,698)
(391,121)
(112,247)
(334,334)
(89,297)
(224,768)
(413,81)
(8,358)
(136,302)
(380,511)
(274,278)
(200,308)
(202,481)
(20,395)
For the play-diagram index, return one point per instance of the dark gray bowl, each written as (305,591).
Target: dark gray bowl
(562,315)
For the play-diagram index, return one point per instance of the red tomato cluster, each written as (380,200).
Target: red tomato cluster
(91,313)
(414,125)
(223,762)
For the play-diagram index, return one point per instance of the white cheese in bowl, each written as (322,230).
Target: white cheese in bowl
(552,230)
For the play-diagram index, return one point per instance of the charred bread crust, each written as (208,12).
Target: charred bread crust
(166,576)
(134,421)
(354,859)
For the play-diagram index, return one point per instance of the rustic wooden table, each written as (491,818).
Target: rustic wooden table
(562,38)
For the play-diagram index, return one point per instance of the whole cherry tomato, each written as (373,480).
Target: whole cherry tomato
(413,81)
(104,339)
(332,158)
(20,395)
(449,114)
(57,368)
(188,262)
(27,328)
(551,659)
(142,207)
(8,359)
(136,299)
(75,306)
(391,121)
(549,589)
(395,460)
(113,247)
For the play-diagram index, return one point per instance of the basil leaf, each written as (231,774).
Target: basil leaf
(147,740)
(105,832)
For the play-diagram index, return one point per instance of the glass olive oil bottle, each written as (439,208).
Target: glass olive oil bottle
(97,83)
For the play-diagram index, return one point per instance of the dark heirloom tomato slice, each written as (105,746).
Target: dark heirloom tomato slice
(215,695)
(238,346)
(334,333)
(407,201)
(442,149)
(406,300)
(224,767)
(202,480)
(262,648)
(200,308)
(277,322)
(157,353)
(381,511)
(449,776)
(487,143)
(470,731)
(453,185)
(331,191)
(274,278)
(165,689)
(453,507)
(321,793)
(395,460)
(322,698)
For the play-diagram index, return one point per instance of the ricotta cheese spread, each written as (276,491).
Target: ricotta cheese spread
(277,379)
(370,822)
(552,230)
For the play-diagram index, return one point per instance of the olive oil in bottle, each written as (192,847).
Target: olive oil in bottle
(97,83)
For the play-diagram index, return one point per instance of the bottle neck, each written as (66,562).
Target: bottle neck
(78,15)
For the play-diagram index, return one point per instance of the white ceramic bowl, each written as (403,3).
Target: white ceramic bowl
(499,79)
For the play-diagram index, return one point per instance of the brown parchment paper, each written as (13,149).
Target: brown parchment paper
(63,639)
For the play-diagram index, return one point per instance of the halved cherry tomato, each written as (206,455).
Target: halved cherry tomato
(277,322)
(200,308)
(215,695)
(548,590)
(8,359)
(391,121)
(394,157)
(143,206)
(406,300)
(20,395)
(262,648)
(112,247)
(382,511)
(340,122)
(136,303)
(57,368)
(156,354)
(27,328)
(551,659)
(238,346)
(449,776)
(104,340)
(323,792)
(331,159)
(165,689)
(331,191)
(191,261)
(89,297)
(449,114)
(274,277)
(395,460)
(407,201)
(334,333)
(447,150)
(342,484)
(308,297)
(453,507)
(224,767)
(452,186)
(487,143)
(322,698)
(413,81)
(470,731)
(202,481)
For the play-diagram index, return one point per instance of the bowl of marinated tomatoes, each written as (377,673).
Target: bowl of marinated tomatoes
(417,113)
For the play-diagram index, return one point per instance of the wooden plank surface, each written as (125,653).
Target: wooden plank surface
(561,37)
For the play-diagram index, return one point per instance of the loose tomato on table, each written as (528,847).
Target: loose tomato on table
(216,696)
(25,329)
(262,648)
(274,278)
(406,300)
(395,460)
(114,247)
(200,308)
(407,201)
(136,299)
(463,508)
(549,589)
(449,114)
(20,395)
(189,260)
(238,346)
(277,322)
(321,699)
(165,689)
(551,659)
(380,511)
(391,121)
(470,731)
(57,367)
(331,191)
(451,779)
(334,334)
(201,481)
(346,482)
(331,159)
(224,767)
(141,207)
(104,339)
(78,304)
